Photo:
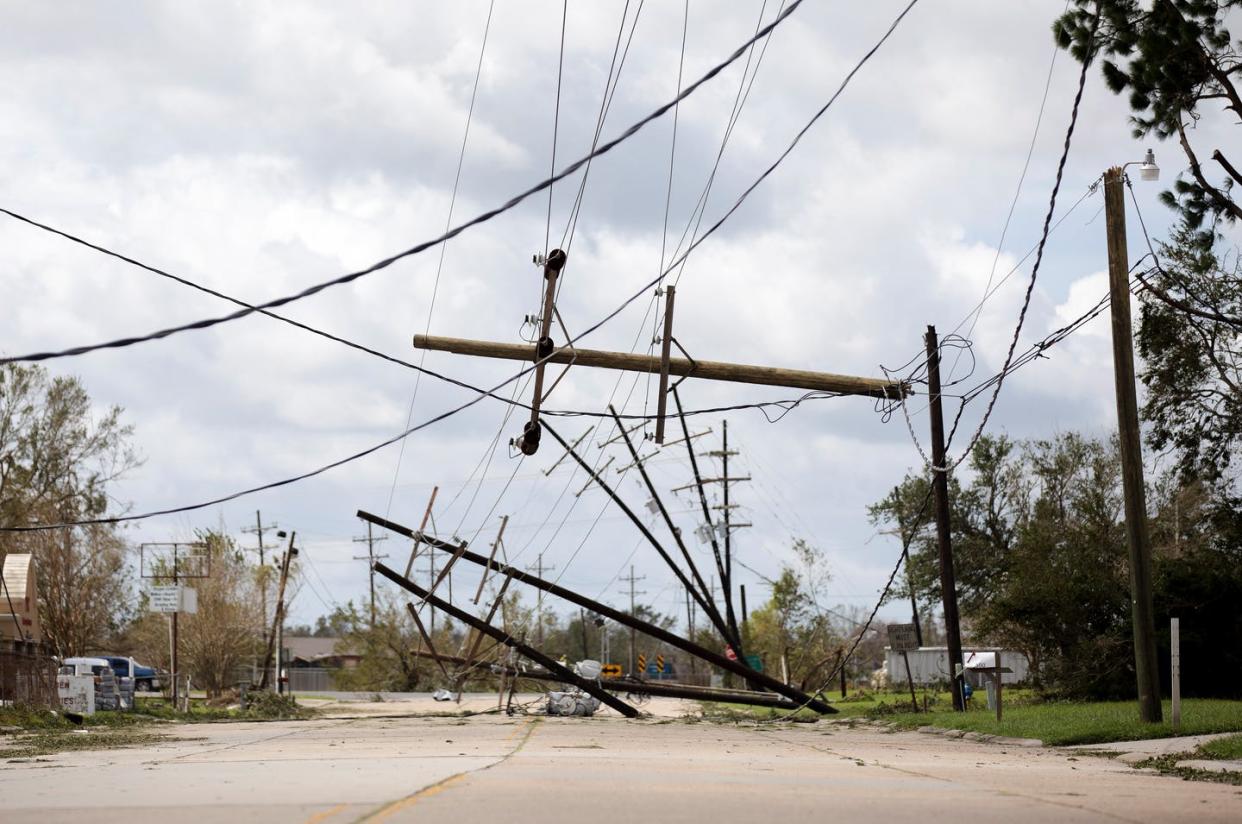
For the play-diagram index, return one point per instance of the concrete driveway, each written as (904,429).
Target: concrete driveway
(494,768)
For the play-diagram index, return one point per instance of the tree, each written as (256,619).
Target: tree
(57,460)
(1179,65)
(1040,548)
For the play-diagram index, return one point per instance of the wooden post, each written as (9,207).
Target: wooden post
(1141,609)
(1175,648)
(279,617)
(940,487)
(702,369)
(495,545)
(665,350)
(914,702)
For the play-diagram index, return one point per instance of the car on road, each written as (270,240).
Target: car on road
(146,679)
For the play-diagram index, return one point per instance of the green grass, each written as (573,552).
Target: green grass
(1083,723)
(1229,748)
(50,741)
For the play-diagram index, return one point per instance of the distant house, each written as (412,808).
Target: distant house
(305,652)
(19,603)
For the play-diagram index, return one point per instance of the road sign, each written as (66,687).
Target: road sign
(174,599)
(610,671)
(754,662)
(659,663)
(902,637)
(642,663)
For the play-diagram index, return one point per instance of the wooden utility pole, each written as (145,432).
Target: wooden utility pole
(370,559)
(681,367)
(631,580)
(279,618)
(940,490)
(257,530)
(1141,608)
(409,566)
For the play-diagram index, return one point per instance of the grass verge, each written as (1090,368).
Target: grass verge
(1058,723)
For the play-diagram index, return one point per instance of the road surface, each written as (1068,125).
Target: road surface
(492,768)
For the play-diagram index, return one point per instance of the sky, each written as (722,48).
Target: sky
(258,148)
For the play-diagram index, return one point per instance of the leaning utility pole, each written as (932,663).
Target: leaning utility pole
(631,580)
(278,620)
(940,487)
(1141,609)
(370,558)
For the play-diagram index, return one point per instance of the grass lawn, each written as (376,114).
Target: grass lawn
(1084,723)
(1229,748)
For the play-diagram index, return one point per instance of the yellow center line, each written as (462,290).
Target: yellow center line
(325,815)
(426,792)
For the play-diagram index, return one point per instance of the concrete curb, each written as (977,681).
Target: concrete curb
(982,737)
(1211,766)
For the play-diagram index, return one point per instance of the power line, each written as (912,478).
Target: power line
(529,369)
(207,323)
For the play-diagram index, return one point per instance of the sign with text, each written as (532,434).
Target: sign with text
(174,599)
(902,637)
(76,693)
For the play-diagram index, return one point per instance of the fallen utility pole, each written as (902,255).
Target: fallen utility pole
(1146,668)
(409,566)
(731,635)
(642,528)
(757,679)
(940,489)
(564,674)
(681,367)
(713,614)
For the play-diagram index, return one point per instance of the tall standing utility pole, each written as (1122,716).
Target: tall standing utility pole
(370,558)
(257,530)
(631,579)
(1131,452)
(538,569)
(940,489)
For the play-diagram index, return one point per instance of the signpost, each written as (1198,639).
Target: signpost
(610,671)
(174,561)
(903,638)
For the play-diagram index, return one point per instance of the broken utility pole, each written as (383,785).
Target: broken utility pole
(562,673)
(757,679)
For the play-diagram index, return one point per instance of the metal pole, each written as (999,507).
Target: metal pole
(173,663)
(1175,647)
(940,486)
(1131,447)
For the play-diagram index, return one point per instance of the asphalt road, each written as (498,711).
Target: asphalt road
(493,768)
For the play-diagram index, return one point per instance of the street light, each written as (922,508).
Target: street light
(1149,170)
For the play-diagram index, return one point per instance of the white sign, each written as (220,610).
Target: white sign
(174,599)
(902,637)
(76,693)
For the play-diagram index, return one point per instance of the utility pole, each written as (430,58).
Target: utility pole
(1141,609)
(278,620)
(940,488)
(538,569)
(370,558)
(632,579)
(257,530)
(905,551)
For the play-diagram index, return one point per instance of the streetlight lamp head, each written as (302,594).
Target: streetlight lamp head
(281,533)
(1149,170)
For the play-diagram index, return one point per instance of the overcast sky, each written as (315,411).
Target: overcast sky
(258,148)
